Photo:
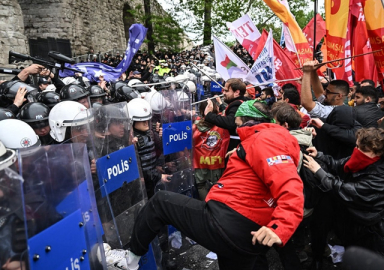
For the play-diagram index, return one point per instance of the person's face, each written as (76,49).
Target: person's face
(359,99)
(238,122)
(331,95)
(369,153)
(85,102)
(142,125)
(80,134)
(283,98)
(263,96)
(116,128)
(228,93)
(43,86)
(280,96)
(97,100)
(381,103)
(41,132)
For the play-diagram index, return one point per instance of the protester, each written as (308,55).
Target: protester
(232,212)
(356,186)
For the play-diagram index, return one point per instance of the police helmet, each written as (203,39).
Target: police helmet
(73,92)
(9,90)
(96,91)
(35,114)
(126,93)
(17,135)
(115,86)
(48,98)
(6,114)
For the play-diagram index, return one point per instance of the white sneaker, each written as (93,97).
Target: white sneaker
(116,258)
(133,261)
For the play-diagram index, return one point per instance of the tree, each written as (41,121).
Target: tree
(202,17)
(163,31)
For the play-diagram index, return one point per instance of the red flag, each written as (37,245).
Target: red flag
(339,38)
(284,66)
(365,68)
(374,20)
(320,30)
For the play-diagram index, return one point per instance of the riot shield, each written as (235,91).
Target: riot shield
(176,119)
(13,245)
(63,229)
(120,191)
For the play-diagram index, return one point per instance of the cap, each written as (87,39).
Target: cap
(43,81)
(136,72)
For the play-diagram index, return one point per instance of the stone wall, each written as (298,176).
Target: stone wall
(97,24)
(11,30)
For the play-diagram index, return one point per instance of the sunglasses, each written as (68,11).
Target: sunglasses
(330,92)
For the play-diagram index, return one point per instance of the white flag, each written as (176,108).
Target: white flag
(228,64)
(243,28)
(263,70)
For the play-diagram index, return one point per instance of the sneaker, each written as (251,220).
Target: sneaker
(116,258)
(133,261)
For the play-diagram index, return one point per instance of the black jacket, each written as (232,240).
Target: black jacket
(227,121)
(367,114)
(362,193)
(337,135)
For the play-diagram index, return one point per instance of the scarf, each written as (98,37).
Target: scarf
(358,161)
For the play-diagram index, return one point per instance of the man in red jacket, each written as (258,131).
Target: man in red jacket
(257,202)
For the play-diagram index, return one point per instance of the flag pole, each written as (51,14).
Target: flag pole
(279,81)
(340,59)
(314,30)
(197,102)
(207,75)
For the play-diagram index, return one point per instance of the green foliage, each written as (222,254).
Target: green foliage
(190,15)
(166,31)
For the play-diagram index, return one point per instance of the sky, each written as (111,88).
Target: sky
(167,6)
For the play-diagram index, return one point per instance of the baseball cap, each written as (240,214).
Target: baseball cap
(136,72)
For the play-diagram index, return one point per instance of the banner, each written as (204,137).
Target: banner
(336,14)
(366,68)
(374,19)
(228,64)
(137,33)
(246,33)
(263,70)
(308,30)
(279,7)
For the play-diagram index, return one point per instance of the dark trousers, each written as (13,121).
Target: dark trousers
(287,255)
(193,218)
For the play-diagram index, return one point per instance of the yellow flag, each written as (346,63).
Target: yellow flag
(281,9)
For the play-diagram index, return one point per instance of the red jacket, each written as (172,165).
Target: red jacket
(266,187)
